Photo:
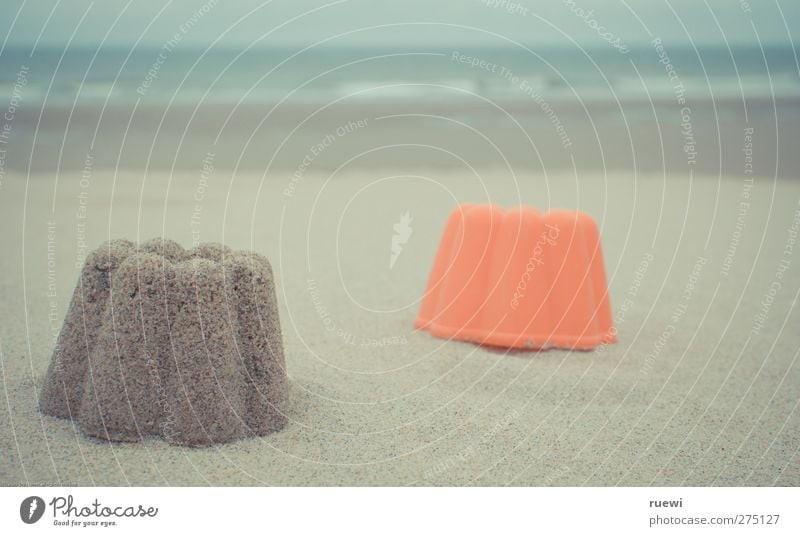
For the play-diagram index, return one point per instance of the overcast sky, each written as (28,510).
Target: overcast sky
(404,22)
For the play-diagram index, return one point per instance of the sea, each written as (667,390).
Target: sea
(165,75)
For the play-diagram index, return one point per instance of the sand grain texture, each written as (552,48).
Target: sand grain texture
(161,341)
(714,405)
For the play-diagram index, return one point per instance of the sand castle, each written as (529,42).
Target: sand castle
(162,341)
(519,279)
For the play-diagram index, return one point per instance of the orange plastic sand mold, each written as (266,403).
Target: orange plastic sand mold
(519,279)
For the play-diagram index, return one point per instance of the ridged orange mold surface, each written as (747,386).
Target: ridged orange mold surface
(519,279)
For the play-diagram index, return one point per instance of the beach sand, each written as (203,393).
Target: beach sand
(702,388)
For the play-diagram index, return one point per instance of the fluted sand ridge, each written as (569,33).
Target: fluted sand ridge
(163,341)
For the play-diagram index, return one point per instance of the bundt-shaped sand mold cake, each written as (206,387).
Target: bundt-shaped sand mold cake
(519,279)
(163,341)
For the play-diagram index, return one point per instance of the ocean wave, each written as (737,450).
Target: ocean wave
(552,89)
